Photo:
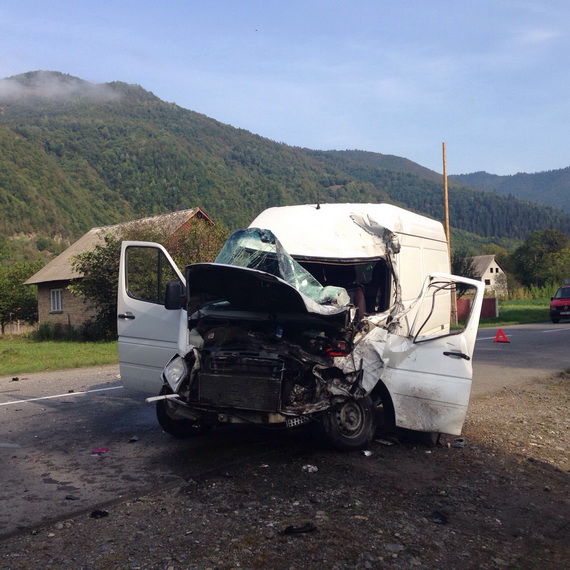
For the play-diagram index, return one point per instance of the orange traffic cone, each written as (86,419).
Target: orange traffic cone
(501,337)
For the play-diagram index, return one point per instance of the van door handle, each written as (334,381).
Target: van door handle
(458,354)
(127,315)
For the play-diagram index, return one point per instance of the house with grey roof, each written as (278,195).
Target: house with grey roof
(490,271)
(56,303)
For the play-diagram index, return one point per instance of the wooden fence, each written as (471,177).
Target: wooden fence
(489,310)
(18,328)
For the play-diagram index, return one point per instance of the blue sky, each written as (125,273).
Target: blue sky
(488,77)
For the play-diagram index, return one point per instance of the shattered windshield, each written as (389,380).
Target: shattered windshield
(260,249)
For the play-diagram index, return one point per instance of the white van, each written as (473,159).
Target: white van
(335,313)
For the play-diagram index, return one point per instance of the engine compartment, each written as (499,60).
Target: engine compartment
(279,365)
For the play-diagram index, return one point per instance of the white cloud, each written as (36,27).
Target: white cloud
(538,36)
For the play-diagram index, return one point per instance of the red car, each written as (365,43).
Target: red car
(560,304)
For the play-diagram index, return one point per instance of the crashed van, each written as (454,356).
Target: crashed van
(340,314)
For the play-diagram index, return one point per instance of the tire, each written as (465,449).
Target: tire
(350,425)
(176,427)
(555,321)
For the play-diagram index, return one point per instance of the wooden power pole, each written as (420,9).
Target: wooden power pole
(447,232)
(446,202)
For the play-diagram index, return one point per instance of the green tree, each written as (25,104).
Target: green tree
(200,243)
(17,301)
(500,253)
(464,266)
(541,258)
(3,249)
(557,266)
(100,267)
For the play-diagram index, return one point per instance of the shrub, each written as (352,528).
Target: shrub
(65,332)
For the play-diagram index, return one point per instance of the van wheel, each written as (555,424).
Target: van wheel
(176,427)
(350,425)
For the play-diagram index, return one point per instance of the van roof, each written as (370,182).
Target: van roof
(328,231)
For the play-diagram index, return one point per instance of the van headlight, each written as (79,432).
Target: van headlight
(174,372)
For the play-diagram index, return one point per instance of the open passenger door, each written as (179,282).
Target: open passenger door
(429,372)
(148,332)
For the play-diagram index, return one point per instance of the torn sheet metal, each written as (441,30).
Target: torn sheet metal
(388,237)
(367,357)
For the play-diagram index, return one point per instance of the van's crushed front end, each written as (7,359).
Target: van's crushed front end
(267,344)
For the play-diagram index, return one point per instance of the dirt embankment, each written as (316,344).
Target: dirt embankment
(498,499)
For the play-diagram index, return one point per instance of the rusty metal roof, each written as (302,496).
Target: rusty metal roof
(60,268)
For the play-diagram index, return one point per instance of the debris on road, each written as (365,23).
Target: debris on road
(307,527)
(439,518)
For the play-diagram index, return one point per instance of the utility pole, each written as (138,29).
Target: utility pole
(447,232)
(446,201)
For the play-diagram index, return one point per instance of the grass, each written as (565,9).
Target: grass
(518,312)
(20,355)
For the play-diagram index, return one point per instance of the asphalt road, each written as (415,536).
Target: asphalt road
(51,424)
(532,351)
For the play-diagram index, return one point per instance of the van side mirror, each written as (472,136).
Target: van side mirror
(175,296)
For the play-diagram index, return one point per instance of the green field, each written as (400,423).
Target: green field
(19,355)
(519,312)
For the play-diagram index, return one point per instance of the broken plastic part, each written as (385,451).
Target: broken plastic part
(439,518)
(307,527)
(162,397)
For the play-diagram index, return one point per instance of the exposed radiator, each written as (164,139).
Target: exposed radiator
(243,382)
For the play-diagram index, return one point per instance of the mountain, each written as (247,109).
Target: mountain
(76,155)
(551,188)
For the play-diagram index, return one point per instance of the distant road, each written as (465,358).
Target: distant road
(534,350)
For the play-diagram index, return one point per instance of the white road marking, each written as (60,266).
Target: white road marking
(59,396)
(559,329)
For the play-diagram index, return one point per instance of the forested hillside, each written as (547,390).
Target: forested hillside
(551,187)
(481,213)
(76,155)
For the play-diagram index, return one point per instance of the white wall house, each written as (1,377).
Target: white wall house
(491,273)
